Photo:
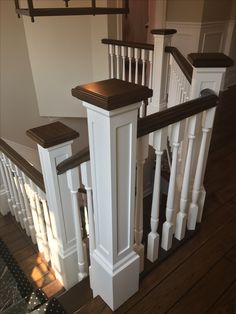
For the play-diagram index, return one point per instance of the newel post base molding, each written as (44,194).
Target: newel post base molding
(112,110)
(54,145)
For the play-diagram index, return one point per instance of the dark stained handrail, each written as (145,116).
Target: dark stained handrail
(128,44)
(183,63)
(180,112)
(73,161)
(23,164)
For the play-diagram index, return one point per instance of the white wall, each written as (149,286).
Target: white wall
(64,52)
(18,102)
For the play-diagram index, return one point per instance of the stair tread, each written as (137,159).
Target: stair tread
(76,297)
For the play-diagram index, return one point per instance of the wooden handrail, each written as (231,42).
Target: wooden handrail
(128,44)
(23,164)
(73,161)
(183,63)
(180,112)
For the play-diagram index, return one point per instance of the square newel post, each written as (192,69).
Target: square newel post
(54,145)
(112,110)
(208,72)
(162,38)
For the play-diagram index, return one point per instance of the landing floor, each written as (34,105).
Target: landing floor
(27,256)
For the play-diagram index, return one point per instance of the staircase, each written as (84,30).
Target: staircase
(122,234)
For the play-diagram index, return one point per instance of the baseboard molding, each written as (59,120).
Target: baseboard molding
(30,154)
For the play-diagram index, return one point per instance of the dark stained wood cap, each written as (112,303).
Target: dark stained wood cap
(210,60)
(52,134)
(163,31)
(111,94)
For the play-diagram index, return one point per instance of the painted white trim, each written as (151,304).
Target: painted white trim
(230,29)
(213,34)
(187,37)
(29,153)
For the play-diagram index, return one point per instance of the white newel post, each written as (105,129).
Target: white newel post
(162,38)
(54,145)
(208,72)
(112,109)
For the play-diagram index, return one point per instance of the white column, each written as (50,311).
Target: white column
(203,77)
(162,38)
(112,127)
(54,145)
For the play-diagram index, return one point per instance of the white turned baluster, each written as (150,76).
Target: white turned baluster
(17,193)
(136,57)
(111,54)
(117,54)
(194,213)
(181,218)
(5,207)
(21,199)
(123,55)
(142,154)
(87,181)
(12,191)
(23,184)
(130,55)
(143,58)
(48,224)
(150,59)
(74,184)
(35,216)
(42,223)
(159,141)
(168,226)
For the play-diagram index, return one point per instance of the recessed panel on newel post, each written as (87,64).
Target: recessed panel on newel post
(112,109)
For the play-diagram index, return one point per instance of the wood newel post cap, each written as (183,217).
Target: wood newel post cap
(111,94)
(210,60)
(52,134)
(163,31)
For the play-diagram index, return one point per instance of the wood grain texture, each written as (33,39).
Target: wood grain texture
(131,44)
(161,119)
(182,62)
(111,94)
(163,31)
(23,164)
(73,161)
(52,134)
(27,256)
(208,289)
(210,60)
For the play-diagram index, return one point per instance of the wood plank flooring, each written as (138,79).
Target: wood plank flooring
(200,277)
(27,256)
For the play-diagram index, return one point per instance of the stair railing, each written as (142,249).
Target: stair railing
(26,199)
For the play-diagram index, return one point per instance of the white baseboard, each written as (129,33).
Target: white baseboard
(30,154)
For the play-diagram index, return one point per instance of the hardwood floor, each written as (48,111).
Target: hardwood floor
(200,277)
(27,256)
